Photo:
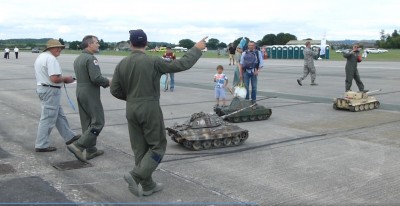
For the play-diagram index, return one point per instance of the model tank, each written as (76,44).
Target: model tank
(242,110)
(356,101)
(205,131)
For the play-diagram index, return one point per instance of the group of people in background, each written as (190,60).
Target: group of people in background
(136,81)
(249,74)
(7,53)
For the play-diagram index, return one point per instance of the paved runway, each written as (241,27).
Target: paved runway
(306,154)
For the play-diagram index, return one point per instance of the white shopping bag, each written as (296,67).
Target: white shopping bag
(240,91)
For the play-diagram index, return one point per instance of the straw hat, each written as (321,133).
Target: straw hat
(52,43)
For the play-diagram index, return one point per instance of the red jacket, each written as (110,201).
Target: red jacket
(169,55)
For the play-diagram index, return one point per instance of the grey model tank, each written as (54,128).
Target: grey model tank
(206,131)
(356,101)
(242,110)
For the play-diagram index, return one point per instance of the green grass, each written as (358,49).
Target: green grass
(392,55)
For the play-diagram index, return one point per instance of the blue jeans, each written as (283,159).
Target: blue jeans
(247,77)
(172,81)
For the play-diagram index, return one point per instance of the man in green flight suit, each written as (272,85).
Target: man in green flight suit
(89,80)
(351,69)
(136,80)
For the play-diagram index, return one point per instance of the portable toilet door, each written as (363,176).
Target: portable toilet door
(273,51)
(301,54)
(327,52)
(290,52)
(268,49)
(296,52)
(284,52)
(279,52)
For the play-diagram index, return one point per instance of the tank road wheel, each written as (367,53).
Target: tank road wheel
(236,119)
(245,118)
(377,104)
(351,108)
(362,107)
(197,145)
(216,143)
(335,106)
(227,141)
(260,117)
(187,144)
(236,140)
(265,116)
(253,118)
(356,108)
(207,144)
(244,136)
(371,105)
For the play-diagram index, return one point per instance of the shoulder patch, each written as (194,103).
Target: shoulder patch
(95,62)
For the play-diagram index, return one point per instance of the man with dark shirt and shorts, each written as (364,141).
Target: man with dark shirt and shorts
(232,51)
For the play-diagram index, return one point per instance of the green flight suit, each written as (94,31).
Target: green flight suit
(136,80)
(352,71)
(89,80)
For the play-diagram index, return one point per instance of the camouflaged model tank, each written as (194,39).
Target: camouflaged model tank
(205,131)
(356,101)
(242,110)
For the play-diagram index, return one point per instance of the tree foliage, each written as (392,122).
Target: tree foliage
(187,43)
(61,41)
(389,41)
(212,44)
(222,45)
(75,45)
(103,45)
(283,38)
(269,39)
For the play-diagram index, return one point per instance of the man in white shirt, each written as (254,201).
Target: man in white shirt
(49,80)
(6,53)
(16,50)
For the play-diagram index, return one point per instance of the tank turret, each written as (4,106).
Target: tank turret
(356,101)
(206,131)
(243,110)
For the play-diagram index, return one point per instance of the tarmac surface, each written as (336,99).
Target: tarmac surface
(306,153)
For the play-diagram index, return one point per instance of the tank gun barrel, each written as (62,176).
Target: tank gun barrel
(374,91)
(252,105)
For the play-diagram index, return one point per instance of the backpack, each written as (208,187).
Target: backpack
(251,60)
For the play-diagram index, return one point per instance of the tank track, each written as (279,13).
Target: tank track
(212,143)
(361,107)
(237,119)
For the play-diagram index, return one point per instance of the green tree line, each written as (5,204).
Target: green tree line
(389,41)
(212,43)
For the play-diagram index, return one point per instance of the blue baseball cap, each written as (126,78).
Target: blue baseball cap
(138,37)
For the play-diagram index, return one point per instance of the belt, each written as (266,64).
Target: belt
(46,85)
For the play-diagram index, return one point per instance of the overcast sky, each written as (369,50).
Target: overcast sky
(173,20)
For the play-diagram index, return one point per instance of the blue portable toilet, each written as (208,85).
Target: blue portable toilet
(284,52)
(296,52)
(279,52)
(327,52)
(290,52)
(268,49)
(273,51)
(301,54)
